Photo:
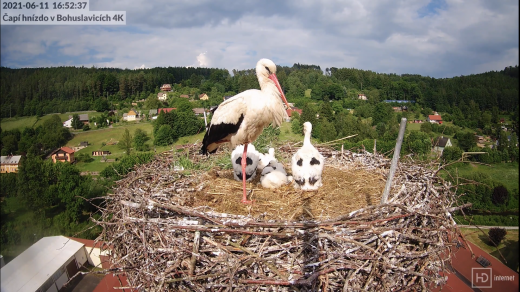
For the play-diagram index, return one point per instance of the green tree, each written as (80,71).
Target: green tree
(451,154)
(76,123)
(126,142)
(496,235)
(163,136)
(500,195)
(140,138)
(383,113)
(466,140)
(308,115)
(327,131)
(326,110)
(296,126)
(101,105)
(417,142)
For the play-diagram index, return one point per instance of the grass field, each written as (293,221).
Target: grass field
(23,122)
(286,133)
(509,247)
(506,173)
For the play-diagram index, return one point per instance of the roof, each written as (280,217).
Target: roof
(161,93)
(198,110)
(435,118)
(153,111)
(166,110)
(463,263)
(67,149)
(11,159)
(33,267)
(83,117)
(131,113)
(293,109)
(441,141)
(185,96)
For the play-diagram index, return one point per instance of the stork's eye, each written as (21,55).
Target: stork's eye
(266,68)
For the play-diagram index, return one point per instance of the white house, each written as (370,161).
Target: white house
(440,143)
(162,96)
(45,266)
(131,115)
(68,123)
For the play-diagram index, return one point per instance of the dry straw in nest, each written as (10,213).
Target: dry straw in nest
(188,231)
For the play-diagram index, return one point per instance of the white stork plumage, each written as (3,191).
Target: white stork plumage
(252,162)
(264,159)
(274,175)
(307,163)
(242,118)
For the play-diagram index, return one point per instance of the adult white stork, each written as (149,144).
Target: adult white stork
(307,163)
(242,118)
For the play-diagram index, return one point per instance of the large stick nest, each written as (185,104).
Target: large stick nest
(186,230)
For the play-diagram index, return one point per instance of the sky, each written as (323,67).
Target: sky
(437,38)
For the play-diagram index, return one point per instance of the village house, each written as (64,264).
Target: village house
(291,110)
(166,87)
(131,116)
(63,154)
(83,118)
(440,143)
(68,123)
(54,261)
(152,112)
(162,96)
(198,111)
(362,96)
(9,163)
(185,96)
(203,96)
(434,119)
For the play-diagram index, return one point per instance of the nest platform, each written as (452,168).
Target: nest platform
(187,230)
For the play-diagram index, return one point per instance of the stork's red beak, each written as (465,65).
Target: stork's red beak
(275,80)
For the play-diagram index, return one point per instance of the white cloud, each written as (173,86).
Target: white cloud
(464,37)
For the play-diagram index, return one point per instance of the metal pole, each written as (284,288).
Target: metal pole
(394,160)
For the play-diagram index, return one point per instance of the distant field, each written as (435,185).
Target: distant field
(506,173)
(23,122)
(509,247)
(413,127)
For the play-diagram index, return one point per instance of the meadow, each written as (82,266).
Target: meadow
(506,173)
(33,121)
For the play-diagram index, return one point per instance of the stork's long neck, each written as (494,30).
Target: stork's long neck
(269,88)
(307,138)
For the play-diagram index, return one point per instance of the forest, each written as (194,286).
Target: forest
(470,105)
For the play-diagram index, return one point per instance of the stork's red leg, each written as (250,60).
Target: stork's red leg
(244,163)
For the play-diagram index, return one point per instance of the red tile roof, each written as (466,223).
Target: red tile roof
(462,263)
(67,149)
(289,111)
(110,281)
(166,110)
(435,118)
